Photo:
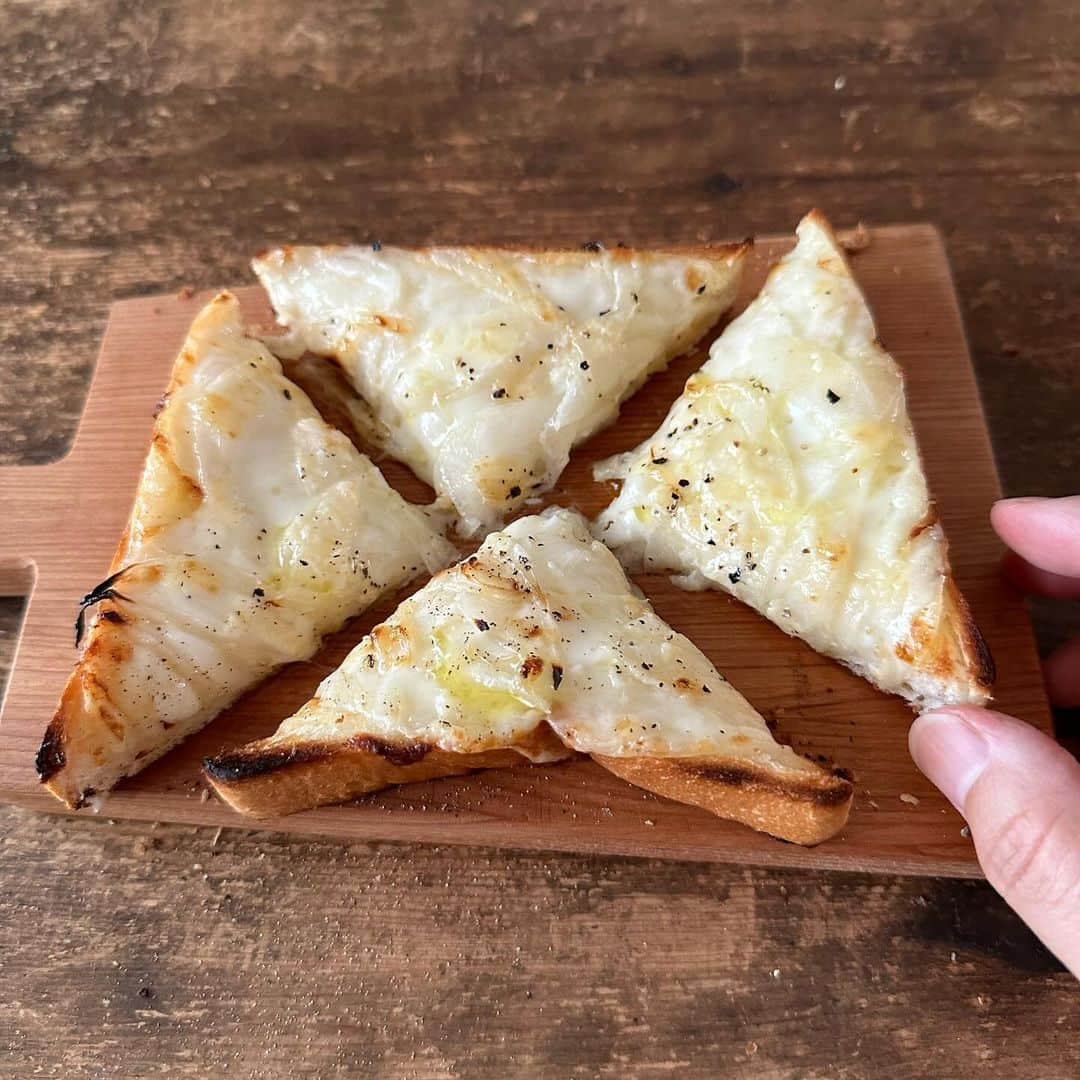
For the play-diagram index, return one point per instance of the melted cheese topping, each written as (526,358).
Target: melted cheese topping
(540,625)
(257,530)
(788,475)
(484,367)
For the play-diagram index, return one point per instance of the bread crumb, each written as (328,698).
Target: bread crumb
(911,800)
(751,1048)
(144,845)
(186,292)
(649,821)
(204,795)
(855,240)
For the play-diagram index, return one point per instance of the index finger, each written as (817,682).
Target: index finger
(1046,532)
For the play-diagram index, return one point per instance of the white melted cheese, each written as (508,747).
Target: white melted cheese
(788,475)
(484,367)
(540,625)
(257,530)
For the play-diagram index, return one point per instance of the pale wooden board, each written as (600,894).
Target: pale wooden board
(62,522)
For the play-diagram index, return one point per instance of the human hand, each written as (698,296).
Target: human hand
(1018,789)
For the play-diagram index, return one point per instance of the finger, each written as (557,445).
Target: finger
(1046,532)
(1020,794)
(1030,579)
(1062,672)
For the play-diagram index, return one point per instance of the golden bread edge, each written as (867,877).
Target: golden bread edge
(56,762)
(804,808)
(276,776)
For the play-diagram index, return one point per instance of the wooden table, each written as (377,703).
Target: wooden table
(144,147)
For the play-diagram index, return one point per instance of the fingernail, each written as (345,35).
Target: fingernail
(1023,500)
(950,752)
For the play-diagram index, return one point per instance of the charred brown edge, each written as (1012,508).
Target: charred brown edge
(985,668)
(832,794)
(51,757)
(245,764)
(96,595)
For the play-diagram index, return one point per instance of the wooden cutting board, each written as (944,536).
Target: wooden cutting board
(62,522)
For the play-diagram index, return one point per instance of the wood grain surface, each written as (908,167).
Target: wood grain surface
(145,146)
(899,822)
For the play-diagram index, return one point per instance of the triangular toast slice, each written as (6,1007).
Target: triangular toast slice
(536,641)
(788,475)
(482,367)
(256,530)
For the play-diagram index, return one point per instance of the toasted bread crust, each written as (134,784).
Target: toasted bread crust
(977,660)
(275,777)
(712,251)
(805,809)
(84,706)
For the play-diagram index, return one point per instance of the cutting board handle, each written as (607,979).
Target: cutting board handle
(28,496)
